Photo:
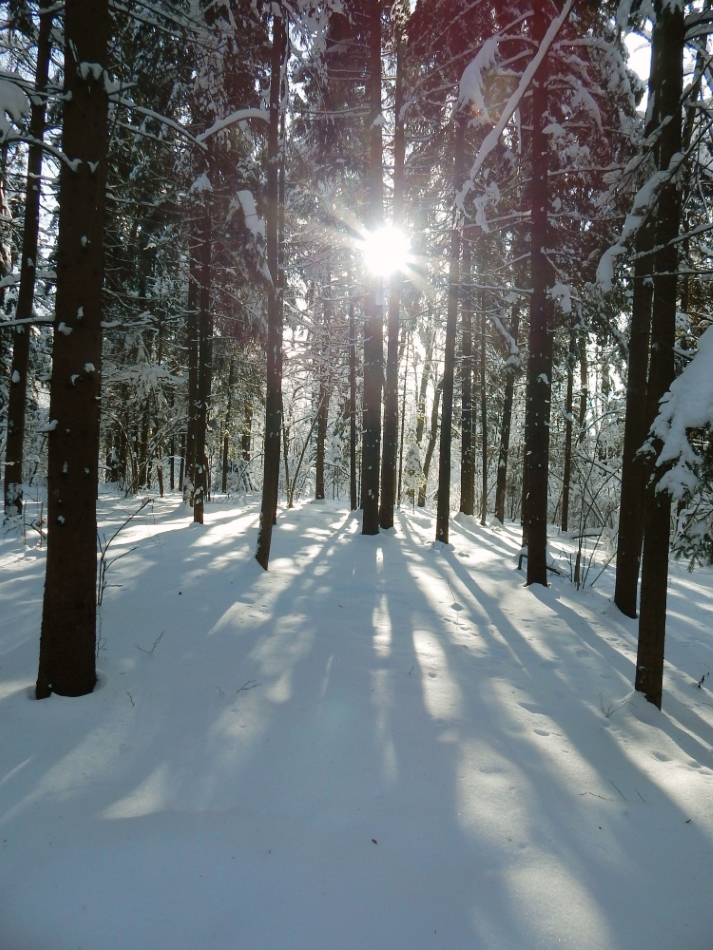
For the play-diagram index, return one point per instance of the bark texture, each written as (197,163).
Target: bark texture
(205,361)
(511,370)
(539,364)
(668,45)
(444,458)
(374,327)
(273,397)
(467,450)
(67,643)
(391,383)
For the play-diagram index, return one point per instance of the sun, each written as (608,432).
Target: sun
(386,251)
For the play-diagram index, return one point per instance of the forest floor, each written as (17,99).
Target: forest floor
(381,743)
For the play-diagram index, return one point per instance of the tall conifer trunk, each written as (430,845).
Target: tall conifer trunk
(17,404)
(391,384)
(444,459)
(568,421)
(374,327)
(636,423)
(403,423)
(205,361)
(192,334)
(508,398)
(467,450)
(657,505)
(68,639)
(483,412)
(539,364)
(353,497)
(226,428)
(324,392)
(273,397)
(430,448)
(628,556)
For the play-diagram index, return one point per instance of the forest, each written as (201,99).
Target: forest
(362,307)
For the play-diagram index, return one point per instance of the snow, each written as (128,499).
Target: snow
(94,70)
(253,222)
(13,103)
(562,293)
(201,185)
(235,117)
(687,405)
(644,200)
(380,743)
(471,88)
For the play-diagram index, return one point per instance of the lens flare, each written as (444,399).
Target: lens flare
(386,251)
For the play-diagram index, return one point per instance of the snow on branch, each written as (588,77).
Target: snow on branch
(687,405)
(231,119)
(472,89)
(492,138)
(644,200)
(514,356)
(164,119)
(13,103)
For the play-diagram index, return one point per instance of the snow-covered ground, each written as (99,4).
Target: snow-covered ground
(381,743)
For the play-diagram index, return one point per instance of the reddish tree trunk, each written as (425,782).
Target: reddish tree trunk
(539,364)
(67,644)
(444,458)
(374,328)
(273,397)
(391,384)
(669,33)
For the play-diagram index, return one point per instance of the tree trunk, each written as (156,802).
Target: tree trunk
(374,327)
(192,332)
(510,375)
(539,364)
(636,423)
(143,449)
(467,453)
(324,391)
(431,444)
(182,463)
(246,434)
(403,426)
(483,411)
(353,497)
(668,44)
(205,360)
(444,459)
(17,403)
(567,473)
(280,280)
(273,397)
(423,391)
(391,385)
(226,429)
(583,387)
(68,638)
(286,460)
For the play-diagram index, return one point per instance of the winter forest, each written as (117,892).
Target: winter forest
(356,414)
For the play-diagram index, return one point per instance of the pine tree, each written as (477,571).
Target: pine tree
(67,645)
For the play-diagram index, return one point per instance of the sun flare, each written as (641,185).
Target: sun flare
(386,251)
